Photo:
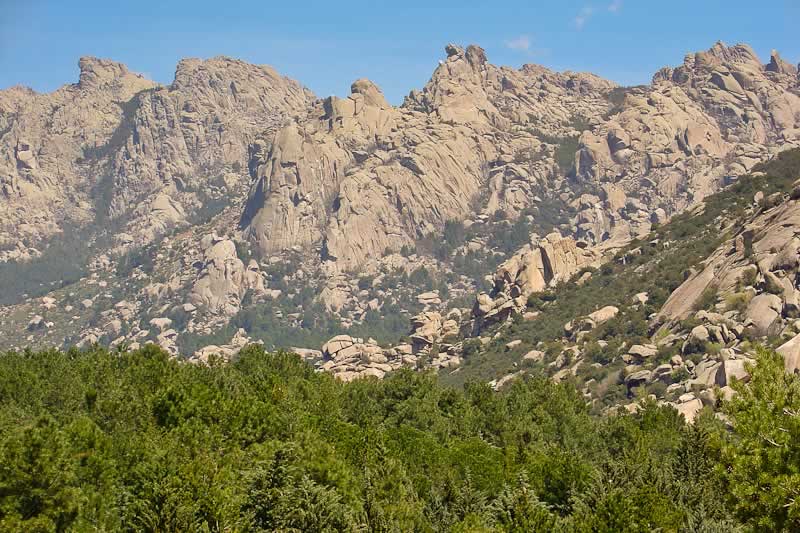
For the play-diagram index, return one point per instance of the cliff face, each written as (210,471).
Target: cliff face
(674,142)
(763,253)
(117,145)
(194,136)
(349,178)
(43,180)
(356,176)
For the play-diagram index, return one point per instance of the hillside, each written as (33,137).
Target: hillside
(586,433)
(233,207)
(672,313)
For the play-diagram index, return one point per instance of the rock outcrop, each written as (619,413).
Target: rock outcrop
(536,267)
(224,279)
(120,146)
(356,176)
(547,262)
(765,252)
(225,352)
(350,358)
(674,142)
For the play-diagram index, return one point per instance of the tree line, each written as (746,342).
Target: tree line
(135,441)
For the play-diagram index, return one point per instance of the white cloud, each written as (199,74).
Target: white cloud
(583,17)
(615,6)
(521,43)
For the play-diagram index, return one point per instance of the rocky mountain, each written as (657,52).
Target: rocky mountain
(42,140)
(358,177)
(116,146)
(233,206)
(675,316)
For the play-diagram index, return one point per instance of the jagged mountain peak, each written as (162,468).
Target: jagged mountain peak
(96,73)
(372,94)
(110,146)
(473,54)
(722,53)
(778,65)
(740,58)
(357,177)
(191,72)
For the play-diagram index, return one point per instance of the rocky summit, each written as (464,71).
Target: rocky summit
(116,146)
(234,207)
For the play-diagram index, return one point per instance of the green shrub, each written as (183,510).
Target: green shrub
(365,283)
(565,154)
(707,300)
(748,277)
(738,301)
(680,374)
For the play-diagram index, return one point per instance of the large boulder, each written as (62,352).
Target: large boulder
(429,298)
(535,356)
(689,409)
(342,347)
(681,303)
(732,369)
(226,351)
(790,351)
(604,314)
(638,378)
(223,279)
(37,322)
(706,373)
(663,373)
(697,339)
(427,329)
(764,312)
(161,323)
(643,351)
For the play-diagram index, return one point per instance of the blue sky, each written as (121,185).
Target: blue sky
(327,45)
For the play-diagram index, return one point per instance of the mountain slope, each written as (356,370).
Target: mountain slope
(118,147)
(686,303)
(367,219)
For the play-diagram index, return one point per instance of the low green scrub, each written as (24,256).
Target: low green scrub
(63,262)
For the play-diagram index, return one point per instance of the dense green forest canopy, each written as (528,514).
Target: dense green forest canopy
(110,441)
